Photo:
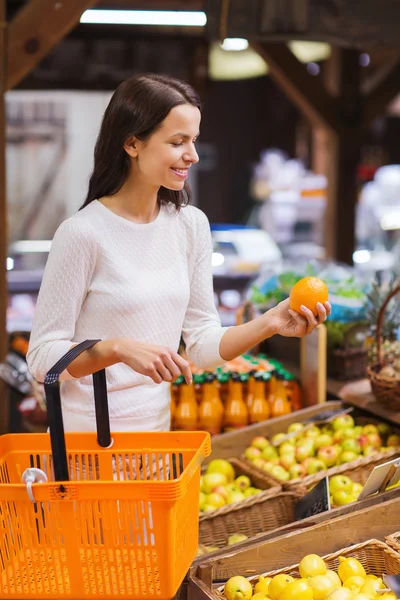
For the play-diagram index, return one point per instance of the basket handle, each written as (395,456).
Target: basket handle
(53,400)
(379,324)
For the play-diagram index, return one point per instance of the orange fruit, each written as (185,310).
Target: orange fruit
(307,292)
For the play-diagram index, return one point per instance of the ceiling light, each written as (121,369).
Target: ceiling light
(145,17)
(225,66)
(234,44)
(361,257)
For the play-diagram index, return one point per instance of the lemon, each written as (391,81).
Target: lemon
(262,585)
(362,597)
(342,593)
(322,586)
(334,577)
(238,588)
(350,566)
(387,596)
(299,589)
(312,565)
(354,582)
(371,586)
(260,596)
(278,584)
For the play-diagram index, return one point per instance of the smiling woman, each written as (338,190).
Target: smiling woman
(133,269)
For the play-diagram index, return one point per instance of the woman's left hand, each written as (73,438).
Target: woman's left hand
(289,323)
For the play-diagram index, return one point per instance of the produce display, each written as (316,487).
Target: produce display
(219,486)
(317,448)
(315,582)
(235,538)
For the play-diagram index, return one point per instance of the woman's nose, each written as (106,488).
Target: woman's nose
(192,155)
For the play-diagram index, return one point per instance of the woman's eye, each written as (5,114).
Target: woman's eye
(176,145)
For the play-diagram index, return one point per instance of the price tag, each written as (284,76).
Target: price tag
(382,477)
(315,502)
(393,583)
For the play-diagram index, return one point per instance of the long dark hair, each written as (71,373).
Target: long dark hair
(137,108)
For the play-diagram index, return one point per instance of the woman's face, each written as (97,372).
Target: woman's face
(166,157)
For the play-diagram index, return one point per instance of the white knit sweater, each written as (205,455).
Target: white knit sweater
(108,277)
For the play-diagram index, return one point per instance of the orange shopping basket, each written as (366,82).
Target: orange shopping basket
(86,515)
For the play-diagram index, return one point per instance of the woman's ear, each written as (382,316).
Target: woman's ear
(131,147)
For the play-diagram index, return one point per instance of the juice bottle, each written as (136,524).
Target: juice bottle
(198,380)
(211,409)
(186,414)
(293,390)
(280,404)
(259,409)
(223,382)
(250,389)
(175,388)
(236,412)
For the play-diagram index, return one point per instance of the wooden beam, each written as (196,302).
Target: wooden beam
(305,90)
(4,397)
(381,89)
(36,29)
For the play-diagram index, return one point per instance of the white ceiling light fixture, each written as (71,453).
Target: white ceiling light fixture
(307,52)
(232,66)
(234,44)
(171,18)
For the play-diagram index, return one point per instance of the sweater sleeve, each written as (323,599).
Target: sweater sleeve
(202,330)
(64,287)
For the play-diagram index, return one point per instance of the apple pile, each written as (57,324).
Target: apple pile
(319,447)
(219,486)
(316,582)
(343,490)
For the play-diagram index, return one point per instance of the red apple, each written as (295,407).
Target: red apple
(329,455)
(287,461)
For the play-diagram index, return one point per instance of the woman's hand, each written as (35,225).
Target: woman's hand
(289,323)
(157,362)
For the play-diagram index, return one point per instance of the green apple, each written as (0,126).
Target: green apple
(369,451)
(341,498)
(313,432)
(287,461)
(269,452)
(202,500)
(252,453)
(295,427)
(242,482)
(287,448)
(207,508)
(235,497)
(215,500)
(213,480)
(315,465)
(384,430)
(260,442)
(349,433)
(357,489)
(268,466)
(370,429)
(278,438)
(346,457)
(280,473)
(357,430)
(342,422)
(219,465)
(305,449)
(329,455)
(238,588)
(297,471)
(259,462)
(251,491)
(393,440)
(322,440)
(351,445)
(340,482)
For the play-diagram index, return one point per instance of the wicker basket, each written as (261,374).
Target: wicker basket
(376,557)
(385,389)
(270,488)
(394,541)
(348,363)
(260,515)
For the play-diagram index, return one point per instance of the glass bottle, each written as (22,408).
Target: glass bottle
(293,390)
(211,409)
(186,414)
(280,404)
(236,412)
(250,389)
(223,382)
(198,380)
(259,409)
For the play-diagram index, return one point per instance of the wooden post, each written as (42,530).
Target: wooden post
(4,398)
(342,79)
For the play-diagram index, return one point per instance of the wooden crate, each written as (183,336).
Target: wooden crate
(316,535)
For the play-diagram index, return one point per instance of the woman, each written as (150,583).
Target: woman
(133,268)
